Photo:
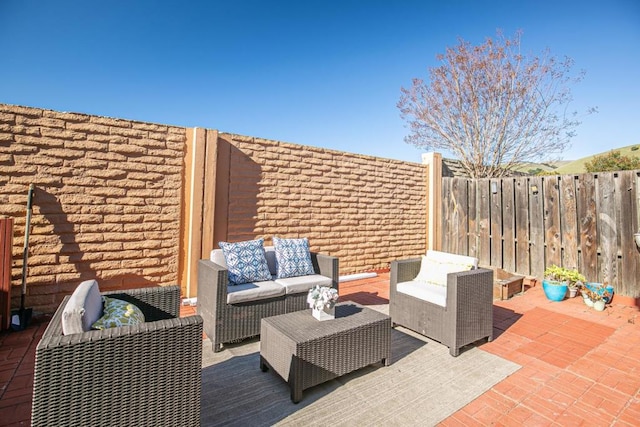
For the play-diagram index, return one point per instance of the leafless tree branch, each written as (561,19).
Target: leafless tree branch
(491,106)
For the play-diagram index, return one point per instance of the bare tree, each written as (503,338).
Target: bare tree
(492,107)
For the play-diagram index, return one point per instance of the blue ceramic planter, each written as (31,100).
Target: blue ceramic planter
(553,291)
(594,286)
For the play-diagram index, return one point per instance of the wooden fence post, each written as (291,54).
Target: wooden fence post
(191,233)
(434,199)
(6,251)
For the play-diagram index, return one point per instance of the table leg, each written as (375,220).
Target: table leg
(263,365)
(294,385)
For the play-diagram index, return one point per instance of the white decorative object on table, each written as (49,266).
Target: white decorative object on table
(322,300)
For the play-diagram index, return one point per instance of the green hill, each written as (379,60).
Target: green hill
(577,166)
(574,166)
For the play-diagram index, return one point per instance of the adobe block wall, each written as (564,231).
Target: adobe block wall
(363,209)
(106,204)
(110,195)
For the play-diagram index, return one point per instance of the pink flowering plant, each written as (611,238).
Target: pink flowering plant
(322,296)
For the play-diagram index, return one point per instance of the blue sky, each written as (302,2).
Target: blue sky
(320,73)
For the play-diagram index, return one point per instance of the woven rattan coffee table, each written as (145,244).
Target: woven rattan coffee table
(306,352)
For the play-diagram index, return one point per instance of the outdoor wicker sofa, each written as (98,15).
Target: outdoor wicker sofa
(461,313)
(148,374)
(226,322)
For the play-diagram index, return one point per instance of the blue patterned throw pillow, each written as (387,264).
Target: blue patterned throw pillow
(292,257)
(246,261)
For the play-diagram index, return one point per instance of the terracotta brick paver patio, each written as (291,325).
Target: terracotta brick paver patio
(579,367)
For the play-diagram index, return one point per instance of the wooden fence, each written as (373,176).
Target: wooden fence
(525,224)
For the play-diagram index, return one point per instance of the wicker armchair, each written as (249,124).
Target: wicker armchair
(466,318)
(224,322)
(143,375)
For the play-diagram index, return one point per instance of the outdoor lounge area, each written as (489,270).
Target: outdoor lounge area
(549,363)
(518,361)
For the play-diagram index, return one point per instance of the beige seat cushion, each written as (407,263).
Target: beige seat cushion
(424,291)
(299,284)
(247,292)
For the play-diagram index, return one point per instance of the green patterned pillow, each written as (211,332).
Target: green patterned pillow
(118,313)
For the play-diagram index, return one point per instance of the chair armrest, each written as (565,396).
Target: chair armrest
(212,282)
(51,339)
(328,266)
(404,270)
(212,294)
(467,288)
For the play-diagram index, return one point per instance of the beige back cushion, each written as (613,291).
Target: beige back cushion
(83,308)
(436,265)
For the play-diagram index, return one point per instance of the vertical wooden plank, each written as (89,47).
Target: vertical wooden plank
(455,234)
(191,232)
(536,228)
(448,228)
(207,189)
(472,212)
(552,221)
(586,213)
(223,172)
(625,196)
(636,215)
(209,197)
(433,181)
(484,230)
(568,222)
(523,191)
(495,220)
(6,257)
(607,229)
(463,216)
(508,225)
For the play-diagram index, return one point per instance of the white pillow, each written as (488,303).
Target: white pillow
(82,309)
(435,272)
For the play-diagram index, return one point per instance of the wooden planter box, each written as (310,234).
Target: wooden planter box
(506,284)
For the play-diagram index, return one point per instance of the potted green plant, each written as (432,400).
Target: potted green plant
(575,281)
(558,280)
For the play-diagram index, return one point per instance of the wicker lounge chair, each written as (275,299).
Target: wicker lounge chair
(143,375)
(466,317)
